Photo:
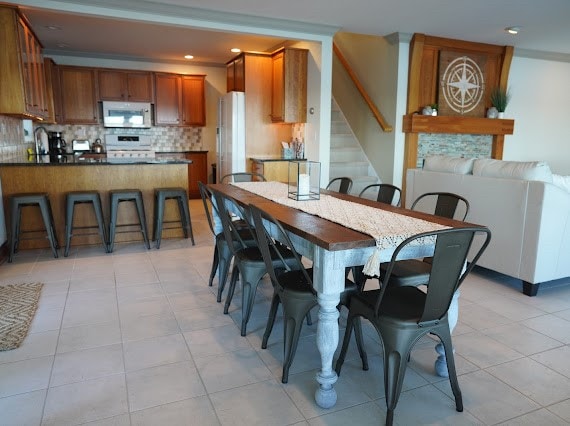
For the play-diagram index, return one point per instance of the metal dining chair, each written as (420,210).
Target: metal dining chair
(242,177)
(344,185)
(387,193)
(402,315)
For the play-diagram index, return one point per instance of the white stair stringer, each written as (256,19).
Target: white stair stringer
(346,156)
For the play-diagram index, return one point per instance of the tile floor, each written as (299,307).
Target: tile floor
(136,338)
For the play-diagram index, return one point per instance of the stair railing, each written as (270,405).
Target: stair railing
(375,112)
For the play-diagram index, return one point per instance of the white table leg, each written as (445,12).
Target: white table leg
(452,316)
(328,279)
(327,342)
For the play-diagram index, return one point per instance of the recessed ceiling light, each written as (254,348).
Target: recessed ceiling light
(512,30)
(188,57)
(235,50)
(52,27)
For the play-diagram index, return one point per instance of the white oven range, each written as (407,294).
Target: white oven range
(125,147)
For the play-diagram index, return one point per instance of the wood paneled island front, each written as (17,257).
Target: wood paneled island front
(72,174)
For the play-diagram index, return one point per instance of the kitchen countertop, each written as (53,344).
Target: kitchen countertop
(88,159)
(267,159)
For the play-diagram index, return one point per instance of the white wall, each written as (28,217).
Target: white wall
(540,106)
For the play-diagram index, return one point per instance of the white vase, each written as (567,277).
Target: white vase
(501,114)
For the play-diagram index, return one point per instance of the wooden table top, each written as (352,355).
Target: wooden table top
(322,232)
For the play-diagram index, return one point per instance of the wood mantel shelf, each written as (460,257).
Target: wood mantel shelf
(417,123)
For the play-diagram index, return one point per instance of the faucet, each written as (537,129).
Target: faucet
(38,140)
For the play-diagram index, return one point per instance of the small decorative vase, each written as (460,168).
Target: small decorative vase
(501,115)
(492,112)
(427,111)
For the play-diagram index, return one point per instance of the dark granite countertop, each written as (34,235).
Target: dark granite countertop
(87,159)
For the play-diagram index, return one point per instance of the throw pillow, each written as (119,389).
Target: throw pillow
(445,164)
(561,182)
(526,170)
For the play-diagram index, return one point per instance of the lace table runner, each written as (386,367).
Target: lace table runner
(389,229)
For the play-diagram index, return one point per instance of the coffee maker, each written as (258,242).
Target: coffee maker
(56,143)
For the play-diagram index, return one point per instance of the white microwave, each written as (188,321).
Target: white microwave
(127,114)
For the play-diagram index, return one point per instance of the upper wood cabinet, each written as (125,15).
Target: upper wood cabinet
(78,95)
(124,85)
(22,81)
(236,74)
(289,86)
(179,100)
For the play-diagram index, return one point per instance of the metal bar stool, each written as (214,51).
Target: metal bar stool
(40,200)
(83,197)
(160,197)
(118,196)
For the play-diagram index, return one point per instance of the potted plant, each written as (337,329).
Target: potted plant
(500,99)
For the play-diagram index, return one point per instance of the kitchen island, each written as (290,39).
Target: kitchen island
(273,168)
(60,174)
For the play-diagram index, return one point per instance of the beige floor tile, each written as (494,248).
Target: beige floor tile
(562,410)
(201,318)
(541,417)
(137,328)
(215,340)
(482,350)
(88,336)
(264,403)
(522,339)
(87,364)
(25,376)
(198,411)
(35,345)
(86,401)
(556,359)
(24,409)
(120,420)
(133,309)
(552,326)
(163,384)
(367,414)
(155,351)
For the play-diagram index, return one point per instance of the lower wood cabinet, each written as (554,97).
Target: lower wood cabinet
(197,172)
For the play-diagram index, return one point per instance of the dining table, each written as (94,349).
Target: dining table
(332,247)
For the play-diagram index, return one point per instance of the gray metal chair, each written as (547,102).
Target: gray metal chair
(293,287)
(222,253)
(344,185)
(242,177)
(387,193)
(249,265)
(402,315)
(416,272)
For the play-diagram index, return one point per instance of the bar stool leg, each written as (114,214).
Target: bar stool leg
(158,218)
(69,210)
(186,220)
(14,228)
(45,210)
(142,220)
(100,222)
(113,223)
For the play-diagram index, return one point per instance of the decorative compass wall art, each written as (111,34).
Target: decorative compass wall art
(461,84)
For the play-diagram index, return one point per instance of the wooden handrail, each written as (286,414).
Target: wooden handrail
(377,114)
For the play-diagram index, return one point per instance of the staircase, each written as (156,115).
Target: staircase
(347,157)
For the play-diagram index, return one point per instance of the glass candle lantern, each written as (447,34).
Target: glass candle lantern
(304,180)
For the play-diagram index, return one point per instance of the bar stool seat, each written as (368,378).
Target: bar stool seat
(40,200)
(118,196)
(83,197)
(160,197)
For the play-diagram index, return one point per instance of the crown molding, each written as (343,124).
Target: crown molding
(396,38)
(539,54)
(184,15)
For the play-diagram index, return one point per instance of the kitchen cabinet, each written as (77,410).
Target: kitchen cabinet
(197,172)
(52,88)
(272,170)
(23,84)
(289,86)
(77,95)
(124,85)
(179,100)
(236,74)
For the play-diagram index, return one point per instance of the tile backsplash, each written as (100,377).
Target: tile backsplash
(163,138)
(455,145)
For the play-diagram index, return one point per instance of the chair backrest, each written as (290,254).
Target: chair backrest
(344,185)
(387,193)
(206,195)
(448,268)
(228,208)
(446,203)
(262,222)
(242,177)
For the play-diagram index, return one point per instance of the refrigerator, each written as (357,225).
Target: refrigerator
(231,134)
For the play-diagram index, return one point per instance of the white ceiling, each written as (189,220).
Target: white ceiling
(545,24)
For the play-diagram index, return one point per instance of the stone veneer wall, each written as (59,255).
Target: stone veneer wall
(455,145)
(163,139)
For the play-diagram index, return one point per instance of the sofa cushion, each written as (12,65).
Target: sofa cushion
(526,170)
(562,182)
(445,164)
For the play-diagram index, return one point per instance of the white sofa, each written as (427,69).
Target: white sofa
(529,219)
